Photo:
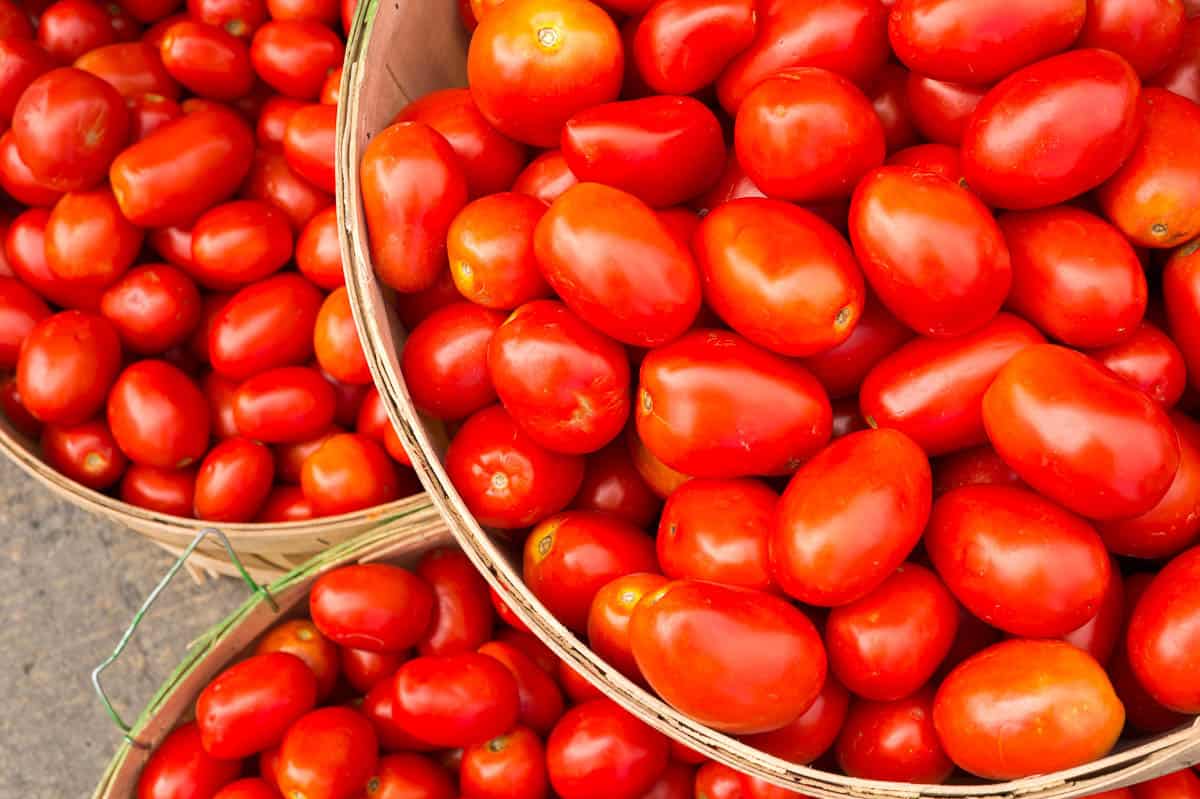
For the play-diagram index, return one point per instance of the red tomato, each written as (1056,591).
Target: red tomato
(272,180)
(842,368)
(68,127)
(21,61)
(153,307)
(537,651)
(611,484)
(373,606)
(444,361)
(364,669)
(265,325)
(379,707)
(88,242)
(1146,34)
(889,97)
(285,503)
(1182,74)
(318,256)
(812,733)
(67,363)
(568,558)
(169,491)
(14,22)
(349,473)
(540,700)
(329,753)
(714,405)
(249,788)
(331,88)
(209,61)
(577,688)
(608,619)
(219,391)
(25,252)
(234,480)
(893,740)
(533,64)
(1151,196)
(506,480)
(681,46)
(509,766)
(20,310)
(324,11)
(283,405)
(15,177)
(15,411)
(598,751)
(462,616)
(675,782)
(181,767)
(132,68)
(1142,712)
(661,479)
(272,122)
(293,56)
(308,144)
(182,169)
(825,140)
(850,516)
(1183,784)
(1025,147)
(301,638)
(173,244)
(86,453)
(1064,423)
(455,700)
(248,707)
(941,110)
(1150,360)
(1180,285)
(490,247)
(1162,634)
(848,37)
(968,467)
(546,178)
(69,28)
(239,17)
(410,776)
(239,242)
(996,712)
(1098,636)
(158,415)
(718,781)
(336,344)
(148,113)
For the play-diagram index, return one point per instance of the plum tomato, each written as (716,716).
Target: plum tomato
(239,17)
(86,453)
(133,69)
(571,556)
(997,711)
(234,480)
(779,275)
(462,615)
(841,369)
(454,701)
(21,308)
(563,383)
(272,180)
(541,700)
(611,484)
(409,774)
(1064,423)
(336,343)
(239,242)
(21,61)
(976,466)
(718,781)
(158,415)
(248,707)
(309,142)
(1150,360)
(209,61)
(181,763)
(318,256)
(272,122)
(284,405)
(598,751)
(1146,34)
(372,606)
(546,177)
(445,361)
(154,307)
(850,516)
(301,638)
(348,473)
(893,740)
(1181,75)
(169,491)
(88,242)
(812,733)
(364,669)
(1099,635)
(329,753)
(265,325)
(681,46)
(889,97)
(15,177)
(940,110)
(1162,638)
(219,391)
(69,28)
(1181,292)
(509,766)
(25,251)
(661,478)
(67,363)
(294,56)
(609,616)
(490,247)
(248,788)
(285,503)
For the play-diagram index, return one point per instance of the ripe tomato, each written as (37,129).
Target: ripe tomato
(462,615)
(69,28)
(1183,784)
(239,242)
(410,776)
(273,181)
(568,558)
(364,669)
(889,97)
(294,56)
(1143,713)
(308,144)
(681,46)
(169,491)
(209,61)
(505,479)
(717,781)
(219,391)
(67,363)
(88,242)
(893,740)
(1147,35)
(712,404)
(1180,285)
(20,310)
(180,766)
(812,733)
(86,453)
(598,751)
(372,606)
(779,275)
(968,467)
(15,177)
(324,11)
(301,638)
(825,140)
(444,361)
(608,619)
(1150,197)
(248,788)
(842,368)
(940,110)
(335,341)
(994,712)
(25,252)
(379,707)
(546,178)
(173,244)
(1098,636)
(273,121)
(318,256)
(234,480)
(239,17)
(661,479)
(153,307)
(248,707)
(265,325)
(611,484)
(577,688)
(15,22)
(284,405)
(455,700)
(509,766)
(1150,360)
(850,516)
(132,68)
(1181,75)
(348,473)
(1161,636)
(490,247)
(539,697)
(329,753)
(533,64)
(1063,423)
(158,415)
(183,168)
(848,37)
(21,61)
(285,503)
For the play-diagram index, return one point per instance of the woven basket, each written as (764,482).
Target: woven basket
(398,51)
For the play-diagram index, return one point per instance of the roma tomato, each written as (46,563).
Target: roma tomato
(718,781)
(662,150)
(1162,634)
(410,775)
(850,516)
(290,458)
(940,159)
(994,712)
(284,405)
(21,61)
(779,275)
(15,177)
(608,619)
(379,706)
(812,733)
(1181,292)
(132,68)
(329,753)
(25,251)
(611,484)
(301,638)
(585,245)
(248,707)
(272,180)
(931,389)
(173,244)
(455,700)
(765,664)
(968,467)
(1018,561)
(825,138)
(462,615)
(905,224)
(66,365)
(681,46)
(154,308)
(413,185)
(598,751)
(509,766)
(661,479)
(158,415)
(88,242)
(1152,196)
(1064,423)
(540,698)
(718,530)
(209,61)
(889,643)
(273,121)
(533,64)
(294,56)
(183,168)
(941,110)
(249,788)
(566,385)
(239,242)
(546,177)
(712,404)
(889,97)
(285,503)
(1181,75)
(364,669)
(372,606)
(1024,146)
(1150,360)
(490,246)
(893,740)
(326,12)
(69,28)
(180,766)
(336,344)
(169,491)
(86,453)
(842,368)
(21,309)
(219,391)
(569,557)
(308,144)
(318,256)
(445,364)
(348,473)
(234,480)
(265,325)
(1099,635)
(1146,34)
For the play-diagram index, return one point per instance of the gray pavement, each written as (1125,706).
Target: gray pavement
(69,583)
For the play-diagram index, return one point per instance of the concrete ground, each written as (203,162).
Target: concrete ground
(69,584)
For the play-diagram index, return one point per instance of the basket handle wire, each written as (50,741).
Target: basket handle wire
(260,590)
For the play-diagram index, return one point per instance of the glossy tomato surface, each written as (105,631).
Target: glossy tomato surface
(86,453)
(455,700)
(67,364)
(445,360)
(239,242)
(1149,359)
(265,325)
(490,247)
(610,614)
(375,607)
(154,307)
(1146,34)
(681,46)
(813,732)
(181,767)
(598,751)
(1162,634)
(327,754)
(350,472)
(893,740)
(158,415)
(248,707)
(234,480)
(462,614)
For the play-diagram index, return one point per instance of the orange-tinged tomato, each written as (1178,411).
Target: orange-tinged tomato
(318,256)
(348,473)
(609,616)
(681,46)
(490,247)
(335,341)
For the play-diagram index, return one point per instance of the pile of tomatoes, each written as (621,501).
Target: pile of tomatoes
(893,304)
(171,296)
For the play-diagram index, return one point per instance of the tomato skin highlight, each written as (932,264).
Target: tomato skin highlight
(681,46)
(1150,360)
(813,732)
(1161,638)
(373,607)
(180,766)
(893,740)
(1146,35)
(327,754)
(598,751)
(455,700)
(158,415)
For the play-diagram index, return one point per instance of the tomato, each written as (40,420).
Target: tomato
(169,491)
(537,651)
(1150,195)
(848,37)
(373,606)
(331,88)
(15,412)
(611,483)
(69,28)
(219,391)
(285,503)
(1180,286)
(272,180)
(329,753)
(308,144)
(239,242)
(132,68)
(1150,360)
(490,247)
(847,418)
(889,98)
(893,740)
(568,558)
(15,177)
(318,256)
(348,473)
(539,698)
(510,618)
(509,766)
(323,11)
(409,776)
(968,467)
(598,751)
(181,767)
(21,61)
(681,46)
(505,478)
(248,707)
(68,127)
(1098,636)
(661,479)
(812,733)
(444,361)
(301,638)
(1063,423)
(1182,73)
(462,616)
(1143,713)
(88,242)
(609,616)
(182,169)
(265,325)
(239,17)
(675,782)
(173,244)
(1161,636)
(1147,35)
(158,415)
(209,61)
(14,22)
(85,452)
(533,64)
(712,404)
(234,480)
(717,781)
(284,405)
(25,252)
(293,56)
(364,669)
(455,700)
(842,368)
(577,688)
(379,707)
(940,110)
(827,137)
(148,113)
(67,363)
(248,788)
(546,178)
(272,122)
(20,310)
(996,713)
